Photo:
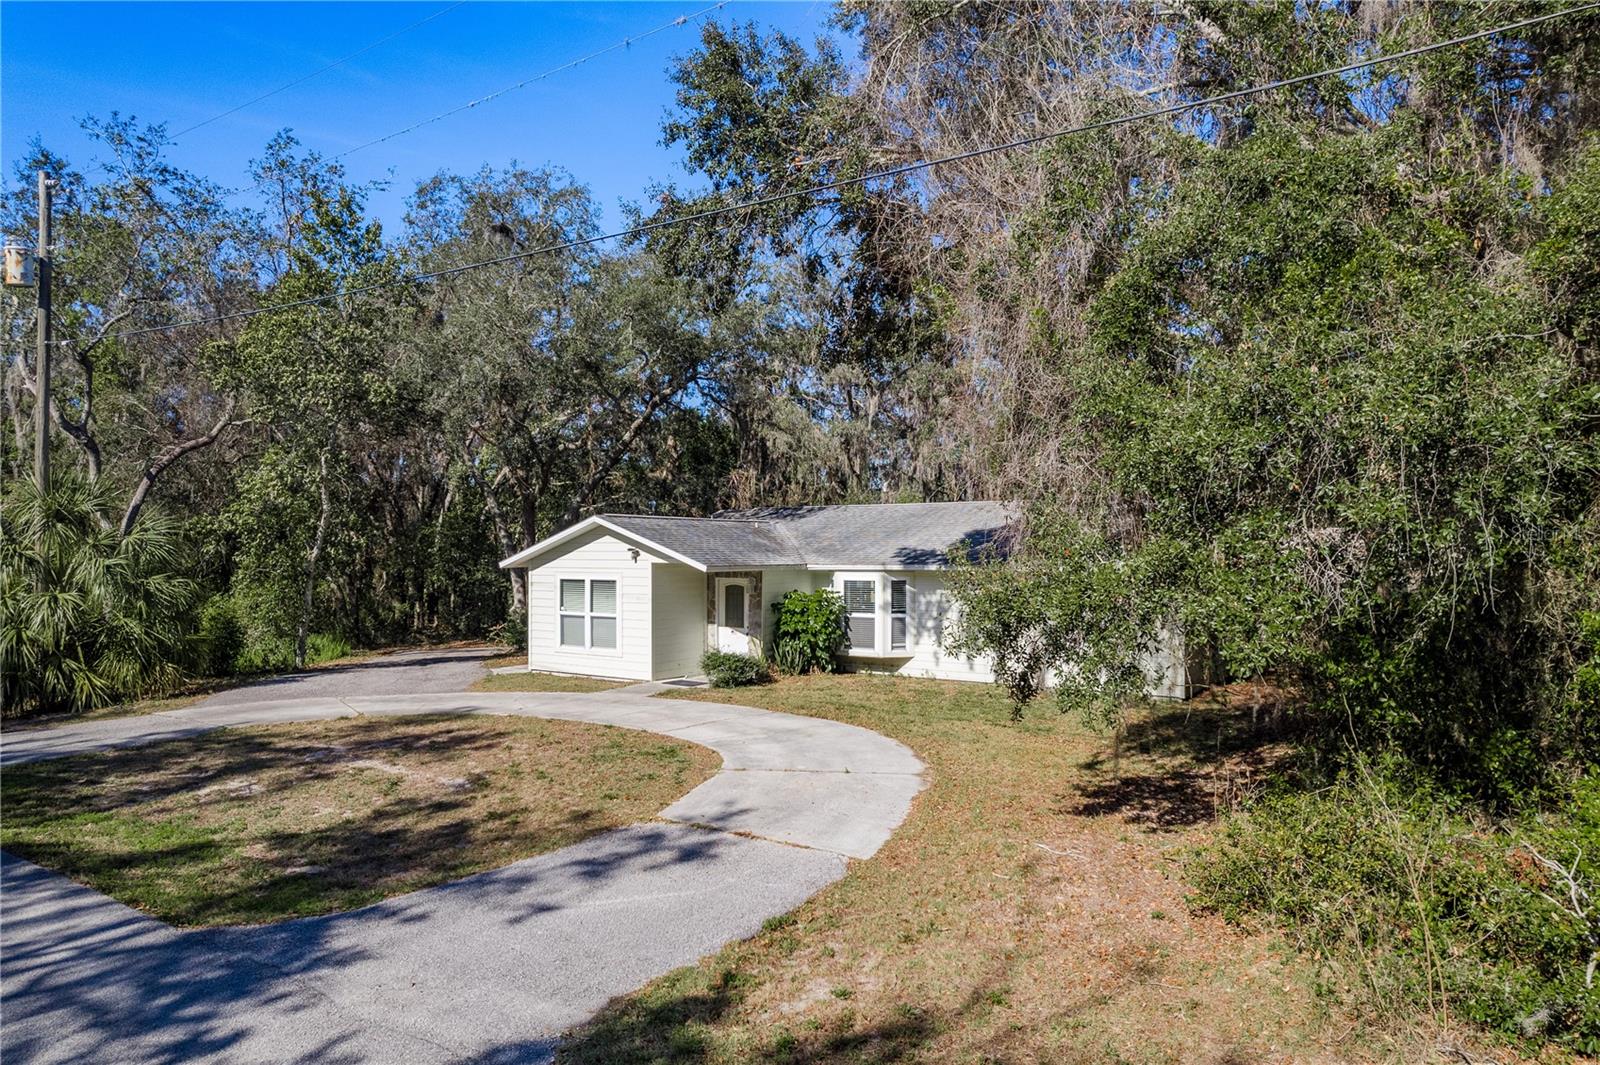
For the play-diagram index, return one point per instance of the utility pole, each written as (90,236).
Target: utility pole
(41,407)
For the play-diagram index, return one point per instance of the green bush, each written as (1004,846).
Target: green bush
(808,631)
(268,652)
(727,670)
(220,639)
(513,631)
(1389,497)
(325,647)
(1412,903)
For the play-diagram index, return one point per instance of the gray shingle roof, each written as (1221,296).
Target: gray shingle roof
(715,542)
(874,534)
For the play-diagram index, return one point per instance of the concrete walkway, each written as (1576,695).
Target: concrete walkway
(488,969)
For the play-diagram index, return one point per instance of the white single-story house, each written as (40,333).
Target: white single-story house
(641,596)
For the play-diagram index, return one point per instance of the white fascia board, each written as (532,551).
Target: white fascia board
(527,554)
(533,551)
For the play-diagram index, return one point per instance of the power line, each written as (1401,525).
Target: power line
(568,65)
(320,70)
(908,168)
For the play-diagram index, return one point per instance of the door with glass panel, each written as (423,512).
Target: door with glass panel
(733,615)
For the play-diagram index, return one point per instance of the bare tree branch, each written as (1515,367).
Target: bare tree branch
(162,462)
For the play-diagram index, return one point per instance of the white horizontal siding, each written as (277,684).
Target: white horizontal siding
(779,582)
(929,612)
(678,613)
(597,555)
(776,583)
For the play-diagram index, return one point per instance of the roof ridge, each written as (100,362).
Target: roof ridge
(901,503)
(674,517)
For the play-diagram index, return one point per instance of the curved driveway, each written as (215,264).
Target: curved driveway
(434,669)
(486,969)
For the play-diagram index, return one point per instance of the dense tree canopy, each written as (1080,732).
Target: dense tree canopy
(1309,376)
(1307,379)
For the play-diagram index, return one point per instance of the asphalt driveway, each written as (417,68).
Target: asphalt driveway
(396,673)
(488,969)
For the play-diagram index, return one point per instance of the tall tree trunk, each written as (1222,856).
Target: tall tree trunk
(517,577)
(159,464)
(303,629)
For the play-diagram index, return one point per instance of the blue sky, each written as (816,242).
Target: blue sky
(182,63)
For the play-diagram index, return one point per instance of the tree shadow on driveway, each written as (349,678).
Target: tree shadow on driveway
(87,979)
(486,969)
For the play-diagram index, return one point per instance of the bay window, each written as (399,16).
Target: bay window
(860,603)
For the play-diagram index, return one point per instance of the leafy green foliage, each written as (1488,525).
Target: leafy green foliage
(828,407)
(139,241)
(89,616)
(1313,382)
(318,372)
(265,653)
(326,647)
(808,631)
(1408,899)
(1070,608)
(220,638)
(1333,444)
(728,670)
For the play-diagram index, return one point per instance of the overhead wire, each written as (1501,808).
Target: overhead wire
(879,175)
(568,65)
(319,71)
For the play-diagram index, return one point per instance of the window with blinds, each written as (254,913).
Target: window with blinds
(587,614)
(899,615)
(861,603)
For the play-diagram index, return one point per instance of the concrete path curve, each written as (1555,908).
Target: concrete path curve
(488,969)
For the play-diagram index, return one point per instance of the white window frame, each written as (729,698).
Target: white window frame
(902,615)
(870,579)
(588,614)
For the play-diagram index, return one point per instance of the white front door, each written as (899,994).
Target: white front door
(733,615)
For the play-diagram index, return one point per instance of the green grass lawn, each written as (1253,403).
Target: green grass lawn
(1031,909)
(243,826)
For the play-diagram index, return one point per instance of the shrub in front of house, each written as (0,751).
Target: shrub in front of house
(728,670)
(808,631)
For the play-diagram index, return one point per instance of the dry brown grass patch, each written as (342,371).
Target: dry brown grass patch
(259,824)
(545,682)
(1029,910)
